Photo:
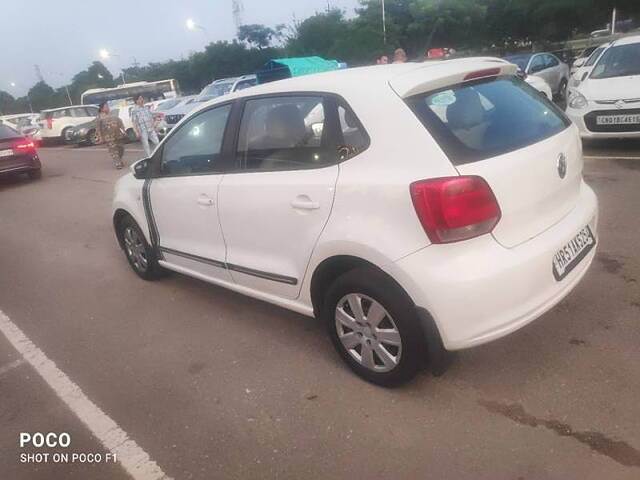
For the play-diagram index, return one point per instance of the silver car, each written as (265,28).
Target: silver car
(546,66)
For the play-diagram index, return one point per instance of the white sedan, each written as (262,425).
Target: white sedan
(414,209)
(606,104)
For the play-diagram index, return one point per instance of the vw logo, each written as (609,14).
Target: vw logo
(619,104)
(562,165)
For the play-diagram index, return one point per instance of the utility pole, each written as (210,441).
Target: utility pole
(613,21)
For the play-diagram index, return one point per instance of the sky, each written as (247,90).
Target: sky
(63,37)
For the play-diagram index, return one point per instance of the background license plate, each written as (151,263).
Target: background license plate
(6,153)
(572,253)
(618,119)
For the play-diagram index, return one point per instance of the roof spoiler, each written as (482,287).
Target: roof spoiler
(434,76)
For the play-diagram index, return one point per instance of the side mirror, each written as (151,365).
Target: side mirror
(142,169)
(521,74)
(579,62)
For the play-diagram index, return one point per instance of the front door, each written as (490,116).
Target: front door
(275,206)
(184,199)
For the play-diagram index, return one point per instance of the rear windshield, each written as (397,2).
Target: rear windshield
(7,132)
(477,120)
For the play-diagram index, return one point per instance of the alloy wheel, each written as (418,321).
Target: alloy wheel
(368,332)
(134,245)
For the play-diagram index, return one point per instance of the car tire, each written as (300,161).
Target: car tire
(562,90)
(140,255)
(66,135)
(35,174)
(92,138)
(385,345)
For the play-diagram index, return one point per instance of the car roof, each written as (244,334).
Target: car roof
(626,41)
(64,108)
(350,81)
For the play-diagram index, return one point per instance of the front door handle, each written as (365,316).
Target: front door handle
(305,203)
(205,201)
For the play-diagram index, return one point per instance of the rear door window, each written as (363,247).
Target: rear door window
(537,64)
(478,120)
(551,61)
(284,133)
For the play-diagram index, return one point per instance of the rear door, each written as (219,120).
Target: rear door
(555,69)
(275,205)
(524,146)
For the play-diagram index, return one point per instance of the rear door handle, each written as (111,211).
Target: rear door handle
(305,203)
(205,201)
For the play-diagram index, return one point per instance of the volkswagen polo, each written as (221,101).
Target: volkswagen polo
(415,209)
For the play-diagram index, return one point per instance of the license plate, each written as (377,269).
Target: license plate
(618,119)
(6,153)
(569,256)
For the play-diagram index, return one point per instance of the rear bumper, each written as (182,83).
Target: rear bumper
(24,164)
(478,291)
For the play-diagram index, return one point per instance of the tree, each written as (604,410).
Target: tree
(317,35)
(259,36)
(96,76)
(41,96)
(7,103)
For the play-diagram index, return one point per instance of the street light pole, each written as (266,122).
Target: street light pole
(384,23)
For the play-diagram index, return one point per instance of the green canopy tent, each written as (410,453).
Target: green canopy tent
(282,68)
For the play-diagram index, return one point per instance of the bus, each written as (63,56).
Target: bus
(123,94)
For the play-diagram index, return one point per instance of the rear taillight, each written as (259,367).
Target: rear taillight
(49,123)
(24,145)
(452,209)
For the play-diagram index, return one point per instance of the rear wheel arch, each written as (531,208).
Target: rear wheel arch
(330,269)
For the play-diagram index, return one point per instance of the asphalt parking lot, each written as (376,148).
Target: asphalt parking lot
(210,384)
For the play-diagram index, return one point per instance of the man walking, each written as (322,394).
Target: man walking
(144,125)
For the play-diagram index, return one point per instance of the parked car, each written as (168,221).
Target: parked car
(582,58)
(606,103)
(160,114)
(405,249)
(224,86)
(56,124)
(18,154)
(544,65)
(213,90)
(86,134)
(583,71)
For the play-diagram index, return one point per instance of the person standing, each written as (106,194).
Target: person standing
(111,131)
(144,125)
(400,56)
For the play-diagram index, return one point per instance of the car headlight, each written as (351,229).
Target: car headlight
(578,101)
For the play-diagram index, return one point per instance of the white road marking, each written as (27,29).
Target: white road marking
(609,157)
(10,366)
(133,459)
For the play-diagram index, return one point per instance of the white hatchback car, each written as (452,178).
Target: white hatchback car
(414,208)
(606,102)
